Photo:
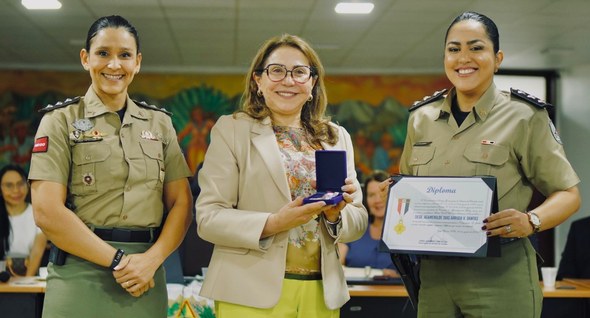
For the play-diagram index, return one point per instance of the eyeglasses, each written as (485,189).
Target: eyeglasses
(277,72)
(12,186)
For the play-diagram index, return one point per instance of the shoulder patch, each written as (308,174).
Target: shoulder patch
(57,105)
(555,133)
(154,107)
(41,144)
(518,93)
(428,99)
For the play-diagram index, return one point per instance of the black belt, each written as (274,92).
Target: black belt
(317,276)
(126,235)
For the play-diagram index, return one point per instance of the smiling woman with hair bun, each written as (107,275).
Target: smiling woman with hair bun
(475,129)
(104,169)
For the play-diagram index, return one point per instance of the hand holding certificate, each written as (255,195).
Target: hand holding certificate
(440,216)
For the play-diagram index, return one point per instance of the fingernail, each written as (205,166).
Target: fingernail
(484,228)
(485,220)
(488,233)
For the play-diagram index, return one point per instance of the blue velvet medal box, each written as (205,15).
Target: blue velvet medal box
(330,171)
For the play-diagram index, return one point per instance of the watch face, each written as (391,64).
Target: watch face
(535,219)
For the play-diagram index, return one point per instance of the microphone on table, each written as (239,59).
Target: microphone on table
(4,276)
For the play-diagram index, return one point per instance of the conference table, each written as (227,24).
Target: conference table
(378,301)
(567,288)
(23,297)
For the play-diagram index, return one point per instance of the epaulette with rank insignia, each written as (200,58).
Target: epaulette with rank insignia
(146,105)
(57,105)
(428,99)
(529,98)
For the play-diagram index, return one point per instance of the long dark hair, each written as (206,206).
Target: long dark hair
(113,21)
(4,220)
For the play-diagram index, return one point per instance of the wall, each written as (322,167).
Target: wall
(375,93)
(373,108)
(573,114)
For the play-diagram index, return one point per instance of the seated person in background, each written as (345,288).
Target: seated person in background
(20,238)
(575,259)
(365,251)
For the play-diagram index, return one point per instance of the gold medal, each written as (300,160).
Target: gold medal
(400,227)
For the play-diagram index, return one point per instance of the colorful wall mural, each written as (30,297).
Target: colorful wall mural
(372,108)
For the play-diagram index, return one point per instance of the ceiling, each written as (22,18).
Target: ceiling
(222,36)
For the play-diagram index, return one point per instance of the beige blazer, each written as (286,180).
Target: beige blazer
(242,181)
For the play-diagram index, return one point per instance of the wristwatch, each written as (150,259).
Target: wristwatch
(535,221)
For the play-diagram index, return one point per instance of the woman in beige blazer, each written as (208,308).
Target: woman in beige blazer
(275,256)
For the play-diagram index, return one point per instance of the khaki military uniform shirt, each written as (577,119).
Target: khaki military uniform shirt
(502,136)
(114,171)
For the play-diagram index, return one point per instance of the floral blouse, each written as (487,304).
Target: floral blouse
(298,154)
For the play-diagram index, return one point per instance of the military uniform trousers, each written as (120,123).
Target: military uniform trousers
(83,289)
(499,287)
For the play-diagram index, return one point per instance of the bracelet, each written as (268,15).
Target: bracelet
(117,259)
(337,221)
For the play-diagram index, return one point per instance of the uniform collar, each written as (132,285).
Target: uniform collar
(94,107)
(484,105)
(444,110)
(136,111)
(482,108)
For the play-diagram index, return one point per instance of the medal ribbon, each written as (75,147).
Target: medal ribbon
(406,206)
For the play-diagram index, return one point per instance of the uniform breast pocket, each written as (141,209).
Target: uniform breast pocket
(420,159)
(154,163)
(90,171)
(491,160)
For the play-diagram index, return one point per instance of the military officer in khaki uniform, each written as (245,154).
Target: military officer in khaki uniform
(476,129)
(117,164)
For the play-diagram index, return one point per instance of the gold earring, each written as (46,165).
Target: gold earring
(259,93)
(310,98)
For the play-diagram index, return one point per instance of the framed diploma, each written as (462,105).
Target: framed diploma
(440,216)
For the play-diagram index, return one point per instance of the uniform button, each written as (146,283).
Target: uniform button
(484,155)
(124,217)
(447,162)
(159,155)
(88,157)
(128,188)
(415,159)
(122,135)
